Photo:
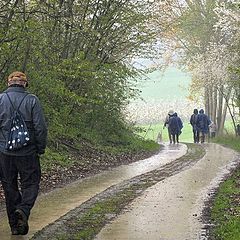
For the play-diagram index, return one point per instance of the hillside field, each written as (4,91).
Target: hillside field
(160,92)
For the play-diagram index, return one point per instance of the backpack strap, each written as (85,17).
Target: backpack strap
(16,109)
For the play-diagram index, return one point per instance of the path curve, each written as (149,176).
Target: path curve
(49,207)
(172,208)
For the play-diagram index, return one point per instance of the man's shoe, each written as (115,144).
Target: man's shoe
(22,222)
(14,231)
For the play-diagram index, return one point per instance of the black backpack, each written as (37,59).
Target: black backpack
(18,135)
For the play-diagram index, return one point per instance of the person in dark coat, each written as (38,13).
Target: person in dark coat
(166,124)
(193,122)
(203,123)
(175,126)
(23,162)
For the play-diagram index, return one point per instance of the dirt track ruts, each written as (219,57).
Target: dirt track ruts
(69,225)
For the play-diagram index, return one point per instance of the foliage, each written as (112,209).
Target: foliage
(205,36)
(76,55)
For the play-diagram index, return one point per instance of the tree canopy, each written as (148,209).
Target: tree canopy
(76,54)
(205,36)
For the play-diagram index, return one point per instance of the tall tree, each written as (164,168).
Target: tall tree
(196,32)
(76,53)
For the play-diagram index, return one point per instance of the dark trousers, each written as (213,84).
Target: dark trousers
(175,138)
(169,135)
(195,135)
(202,136)
(20,176)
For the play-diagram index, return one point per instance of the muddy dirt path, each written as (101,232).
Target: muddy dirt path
(172,208)
(53,205)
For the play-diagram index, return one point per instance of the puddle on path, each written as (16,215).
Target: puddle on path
(50,207)
(171,209)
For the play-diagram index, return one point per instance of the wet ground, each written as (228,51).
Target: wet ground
(172,208)
(53,205)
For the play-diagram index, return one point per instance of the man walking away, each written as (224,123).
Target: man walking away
(193,122)
(166,124)
(24,160)
(203,123)
(175,126)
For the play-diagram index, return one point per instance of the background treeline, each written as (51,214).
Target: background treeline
(205,34)
(76,55)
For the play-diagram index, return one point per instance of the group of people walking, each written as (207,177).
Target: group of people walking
(200,126)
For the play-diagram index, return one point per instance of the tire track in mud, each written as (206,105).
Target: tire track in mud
(173,209)
(85,221)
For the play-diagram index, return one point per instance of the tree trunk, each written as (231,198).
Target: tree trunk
(210,96)
(215,102)
(232,114)
(219,110)
(224,113)
(221,127)
(206,101)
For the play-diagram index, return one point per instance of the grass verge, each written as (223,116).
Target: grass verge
(151,132)
(64,153)
(225,212)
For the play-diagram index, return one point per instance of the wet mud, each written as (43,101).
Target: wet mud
(51,206)
(172,209)
(163,198)
(73,224)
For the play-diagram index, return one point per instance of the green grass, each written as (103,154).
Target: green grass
(64,156)
(151,132)
(230,141)
(53,157)
(226,208)
(132,144)
(171,84)
(228,127)
(96,217)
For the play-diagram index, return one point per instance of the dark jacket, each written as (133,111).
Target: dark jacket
(193,121)
(203,122)
(175,125)
(32,114)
